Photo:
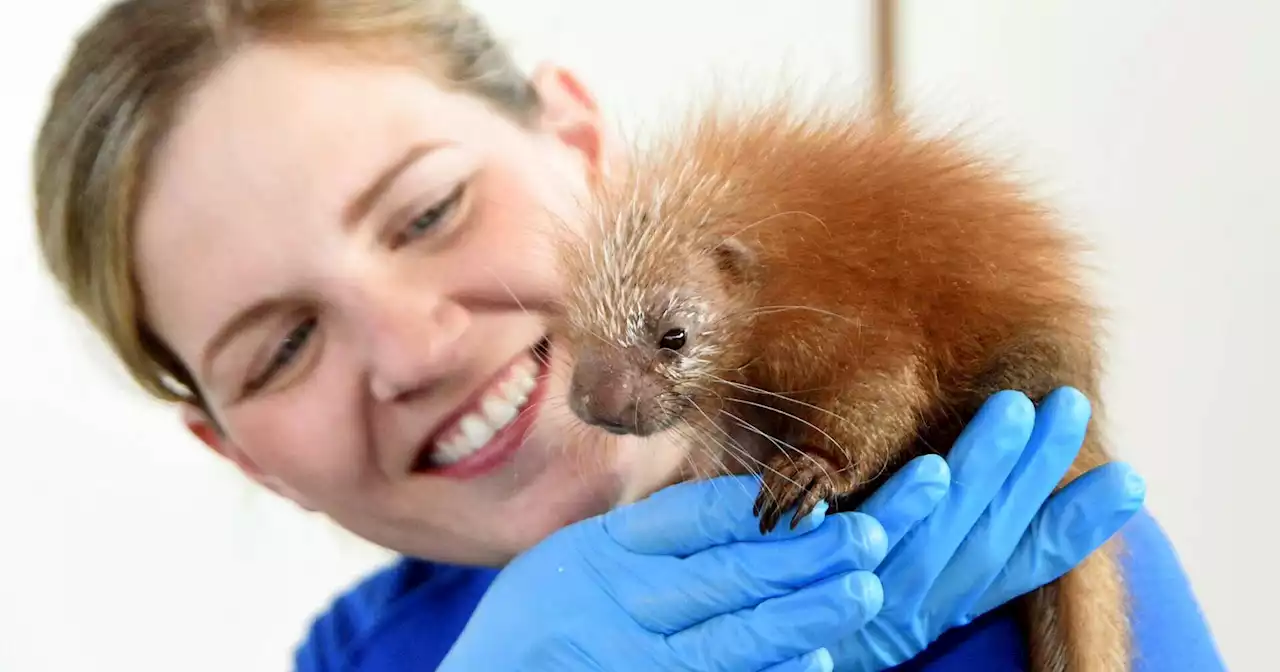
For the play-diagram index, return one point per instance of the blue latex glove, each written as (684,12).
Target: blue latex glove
(685,581)
(998,533)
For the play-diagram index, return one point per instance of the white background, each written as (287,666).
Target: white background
(124,545)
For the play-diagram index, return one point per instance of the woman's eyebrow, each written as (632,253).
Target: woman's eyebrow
(239,322)
(364,201)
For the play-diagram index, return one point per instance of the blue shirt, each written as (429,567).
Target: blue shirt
(406,617)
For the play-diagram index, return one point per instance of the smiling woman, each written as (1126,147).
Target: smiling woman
(382,253)
(339,295)
(324,229)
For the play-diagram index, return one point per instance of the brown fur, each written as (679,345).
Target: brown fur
(850,291)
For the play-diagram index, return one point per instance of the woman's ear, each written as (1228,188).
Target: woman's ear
(211,434)
(570,113)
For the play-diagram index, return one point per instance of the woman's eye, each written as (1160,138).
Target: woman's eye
(432,216)
(283,354)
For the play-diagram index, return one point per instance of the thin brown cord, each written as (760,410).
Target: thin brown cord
(885,55)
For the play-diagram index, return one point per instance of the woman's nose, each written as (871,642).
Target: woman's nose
(411,343)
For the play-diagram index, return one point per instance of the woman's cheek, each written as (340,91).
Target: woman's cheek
(298,439)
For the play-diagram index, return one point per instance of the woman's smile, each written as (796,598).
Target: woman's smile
(490,426)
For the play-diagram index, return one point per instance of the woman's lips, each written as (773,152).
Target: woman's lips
(493,425)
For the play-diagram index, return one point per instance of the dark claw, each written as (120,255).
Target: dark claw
(769,509)
(767,522)
(819,490)
(790,484)
(767,512)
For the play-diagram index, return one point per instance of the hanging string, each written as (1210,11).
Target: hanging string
(884,40)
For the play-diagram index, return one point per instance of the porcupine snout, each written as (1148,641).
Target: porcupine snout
(604,395)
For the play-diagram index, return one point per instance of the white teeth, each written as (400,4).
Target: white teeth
(477,431)
(520,386)
(509,390)
(498,409)
(448,452)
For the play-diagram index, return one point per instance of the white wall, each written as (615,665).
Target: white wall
(128,546)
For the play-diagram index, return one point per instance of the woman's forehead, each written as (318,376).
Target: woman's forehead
(284,123)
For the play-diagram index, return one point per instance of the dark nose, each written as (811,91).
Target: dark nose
(604,397)
(612,426)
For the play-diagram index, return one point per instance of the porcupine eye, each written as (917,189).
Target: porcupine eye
(672,340)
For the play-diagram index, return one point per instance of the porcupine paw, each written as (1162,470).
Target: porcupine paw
(799,481)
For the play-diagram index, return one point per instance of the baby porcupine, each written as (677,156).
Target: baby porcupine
(820,296)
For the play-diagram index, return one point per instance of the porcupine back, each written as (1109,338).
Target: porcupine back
(915,241)
(873,243)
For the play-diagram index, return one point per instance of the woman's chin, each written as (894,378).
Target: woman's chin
(550,505)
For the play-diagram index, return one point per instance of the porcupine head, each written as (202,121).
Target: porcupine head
(656,301)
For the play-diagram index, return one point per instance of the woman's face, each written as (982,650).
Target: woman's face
(352,262)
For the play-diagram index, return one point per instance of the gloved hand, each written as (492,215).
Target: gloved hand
(684,580)
(994,537)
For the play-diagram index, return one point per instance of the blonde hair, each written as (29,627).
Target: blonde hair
(119,91)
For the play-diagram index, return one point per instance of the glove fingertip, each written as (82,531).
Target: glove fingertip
(1135,486)
(865,589)
(933,475)
(867,534)
(1069,401)
(933,467)
(1114,487)
(1093,528)
(821,661)
(813,519)
(1004,423)
(1010,406)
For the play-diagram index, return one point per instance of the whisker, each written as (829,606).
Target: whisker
(737,449)
(785,448)
(730,452)
(764,392)
(507,288)
(768,218)
(770,310)
(741,452)
(793,417)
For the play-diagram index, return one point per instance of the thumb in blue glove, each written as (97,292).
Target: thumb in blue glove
(683,580)
(999,533)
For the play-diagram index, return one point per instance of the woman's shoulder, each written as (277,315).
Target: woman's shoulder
(411,608)
(1169,628)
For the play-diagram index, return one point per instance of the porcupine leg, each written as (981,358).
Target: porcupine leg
(840,441)
(1078,623)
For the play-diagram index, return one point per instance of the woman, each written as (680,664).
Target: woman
(314,226)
